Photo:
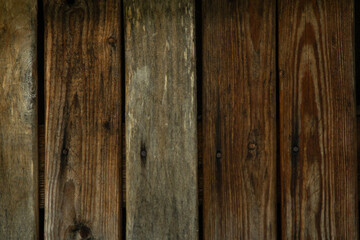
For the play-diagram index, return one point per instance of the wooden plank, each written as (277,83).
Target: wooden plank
(18,120)
(161,149)
(317,120)
(239,119)
(83,119)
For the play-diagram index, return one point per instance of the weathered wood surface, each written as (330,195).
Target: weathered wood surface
(239,119)
(317,120)
(18,120)
(161,169)
(83,119)
(123,165)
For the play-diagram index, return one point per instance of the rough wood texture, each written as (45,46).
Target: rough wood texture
(83,119)
(239,119)
(161,174)
(317,120)
(18,120)
(123,165)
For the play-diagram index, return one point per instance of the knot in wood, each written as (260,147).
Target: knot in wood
(111,41)
(252,146)
(85,232)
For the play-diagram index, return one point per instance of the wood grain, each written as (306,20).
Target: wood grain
(123,165)
(239,119)
(18,120)
(317,120)
(161,149)
(83,119)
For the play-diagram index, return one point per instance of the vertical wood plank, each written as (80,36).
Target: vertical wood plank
(239,119)
(83,119)
(161,174)
(317,119)
(18,120)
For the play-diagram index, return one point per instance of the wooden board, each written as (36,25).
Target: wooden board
(18,120)
(83,119)
(317,120)
(239,119)
(161,149)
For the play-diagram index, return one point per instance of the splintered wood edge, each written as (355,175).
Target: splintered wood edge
(123,163)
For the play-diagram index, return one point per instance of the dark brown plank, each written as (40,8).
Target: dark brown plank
(161,149)
(239,119)
(317,120)
(83,119)
(18,120)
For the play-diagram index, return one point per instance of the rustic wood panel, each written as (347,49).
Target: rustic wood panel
(239,119)
(18,120)
(317,120)
(161,149)
(83,119)
(123,165)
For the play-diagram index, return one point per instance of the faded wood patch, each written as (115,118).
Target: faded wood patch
(161,174)
(18,120)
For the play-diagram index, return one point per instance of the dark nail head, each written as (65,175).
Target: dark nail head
(65,151)
(296,149)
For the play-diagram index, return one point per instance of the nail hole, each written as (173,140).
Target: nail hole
(218,155)
(143,153)
(296,149)
(65,151)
